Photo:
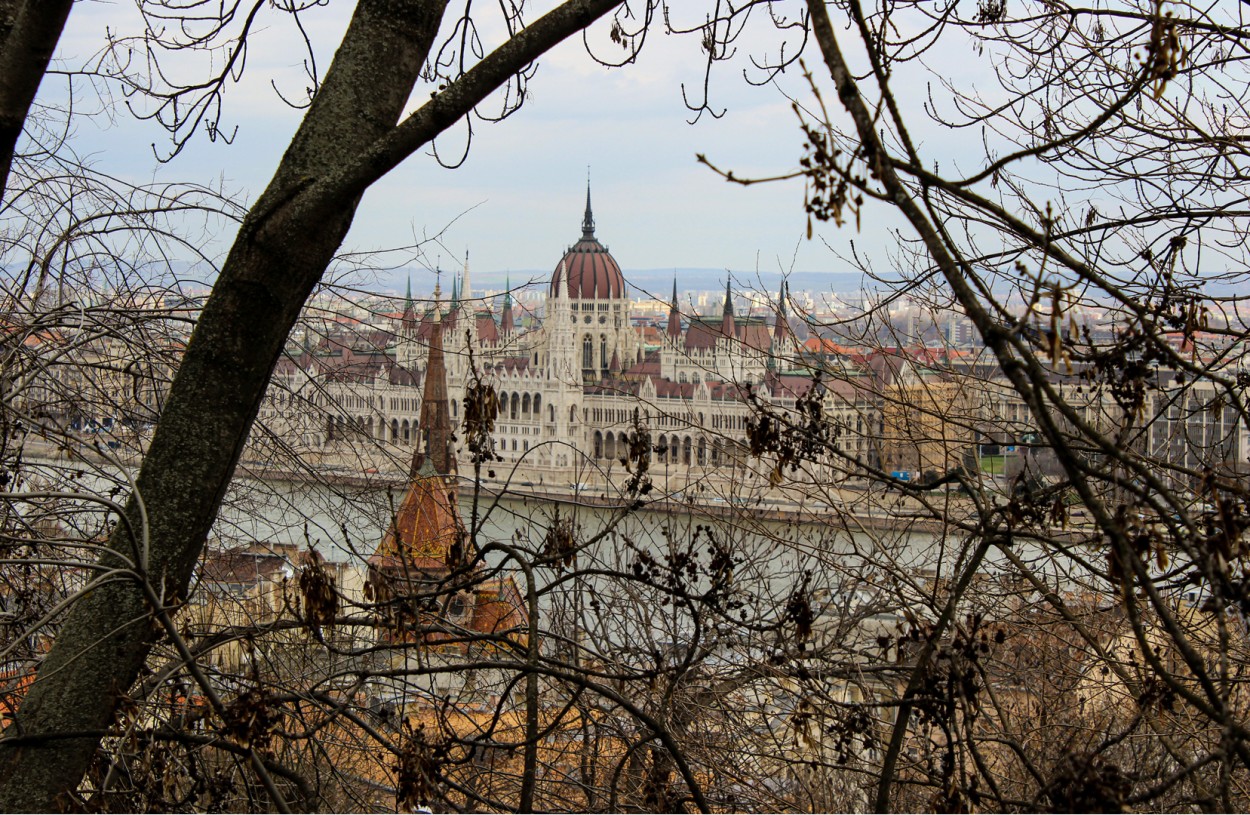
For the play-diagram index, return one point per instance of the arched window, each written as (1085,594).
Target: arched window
(609,446)
(598,444)
(572,414)
(516,403)
(701,457)
(538,406)
(405,431)
(330,429)
(603,351)
(394,429)
(551,413)
(716,453)
(525,406)
(454,408)
(685,451)
(588,354)
(503,404)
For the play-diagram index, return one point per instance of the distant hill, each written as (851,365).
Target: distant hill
(655,282)
(658,282)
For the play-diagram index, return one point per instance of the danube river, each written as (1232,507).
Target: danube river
(345,522)
(344,519)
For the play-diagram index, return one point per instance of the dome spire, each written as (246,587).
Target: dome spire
(588,220)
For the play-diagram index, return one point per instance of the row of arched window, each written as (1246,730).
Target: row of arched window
(340,428)
(673,449)
(524,407)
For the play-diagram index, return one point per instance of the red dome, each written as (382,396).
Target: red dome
(588,272)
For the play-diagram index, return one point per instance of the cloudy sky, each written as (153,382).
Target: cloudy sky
(516,202)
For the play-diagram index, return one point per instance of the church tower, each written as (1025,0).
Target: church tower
(426,539)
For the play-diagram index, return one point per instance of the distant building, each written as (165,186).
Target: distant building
(577,386)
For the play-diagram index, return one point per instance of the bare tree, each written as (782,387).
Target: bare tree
(348,139)
(1103,181)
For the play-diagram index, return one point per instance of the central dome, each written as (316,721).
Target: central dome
(587,271)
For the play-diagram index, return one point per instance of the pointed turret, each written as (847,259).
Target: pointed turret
(781,327)
(434,454)
(408,321)
(727,326)
(466,292)
(560,287)
(674,316)
(453,309)
(506,324)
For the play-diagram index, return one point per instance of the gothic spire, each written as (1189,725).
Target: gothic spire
(434,454)
(674,316)
(781,326)
(727,327)
(466,292)
(505,320)
(588,220)
(408,320)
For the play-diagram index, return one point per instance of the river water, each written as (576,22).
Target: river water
(770,545)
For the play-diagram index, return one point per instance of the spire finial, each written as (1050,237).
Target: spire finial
(588,220)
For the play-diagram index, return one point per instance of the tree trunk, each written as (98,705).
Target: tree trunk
(29,32)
